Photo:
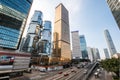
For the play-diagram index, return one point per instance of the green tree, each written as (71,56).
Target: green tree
(111,65)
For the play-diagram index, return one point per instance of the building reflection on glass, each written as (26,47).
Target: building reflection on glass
(83,47)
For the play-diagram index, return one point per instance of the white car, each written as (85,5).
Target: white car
(85,71)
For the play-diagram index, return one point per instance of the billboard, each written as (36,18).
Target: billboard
(14,61)
(6,62)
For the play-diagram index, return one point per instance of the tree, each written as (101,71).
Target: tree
(111,65)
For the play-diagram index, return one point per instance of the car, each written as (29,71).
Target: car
(98,70)
(73,71)
(96,74)
(66,74)
(85,71)
(60,72)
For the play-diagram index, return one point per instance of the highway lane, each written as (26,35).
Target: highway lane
(65,74)
(72,74)
(37,75)
(61,75)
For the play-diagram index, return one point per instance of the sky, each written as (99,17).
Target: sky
(89,17)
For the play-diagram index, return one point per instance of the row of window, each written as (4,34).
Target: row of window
(12,13)
(9,38)
(5,42)
(2,31)
(9,29)
(8,46)
(21,5)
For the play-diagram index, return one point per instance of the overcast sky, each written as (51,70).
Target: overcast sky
(89,17)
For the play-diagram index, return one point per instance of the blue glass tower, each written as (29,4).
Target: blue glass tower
(13,15)
(83,47)
(38,39)
(34,32)
(46,37)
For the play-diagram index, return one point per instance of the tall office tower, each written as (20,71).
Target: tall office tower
(106,53)
(109,42)
(90,53)
(13,16)
(44,42)
(115,8)
(83,47)
(96,54)
(34,32)
(61,48)
(76,53)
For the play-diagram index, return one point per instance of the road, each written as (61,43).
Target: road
(38,75)
(65,74)
(72,73)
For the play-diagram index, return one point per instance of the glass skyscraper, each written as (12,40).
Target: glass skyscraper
(83,47)
(109,42)
(13,15)
(34,32)
(96,54)
(106,53)
(46,37)
(115,9)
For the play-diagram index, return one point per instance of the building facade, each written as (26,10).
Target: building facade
(76,53)
(13,16)
(83,47)
(90,53)
(38,39)
(106,53)
(93,54)
(45,40)
(34,32)
(109,42)
(61,41)
(115,9)
(96,54)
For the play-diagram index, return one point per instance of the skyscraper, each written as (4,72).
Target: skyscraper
(83,47)
(115,8)
(45,40)
(90,53)
(13,16)
(96,54)
(61,40)
(106,53)
(109,42)
(76,53)
(34,32)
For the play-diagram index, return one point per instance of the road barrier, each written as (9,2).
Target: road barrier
(90,71)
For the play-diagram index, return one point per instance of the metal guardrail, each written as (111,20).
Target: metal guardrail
(90,71)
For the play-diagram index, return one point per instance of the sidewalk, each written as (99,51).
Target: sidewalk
(108,76)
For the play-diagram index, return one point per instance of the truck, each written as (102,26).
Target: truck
(13,63)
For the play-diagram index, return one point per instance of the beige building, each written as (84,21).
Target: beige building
(76,52)
(115,8)
(61,41)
